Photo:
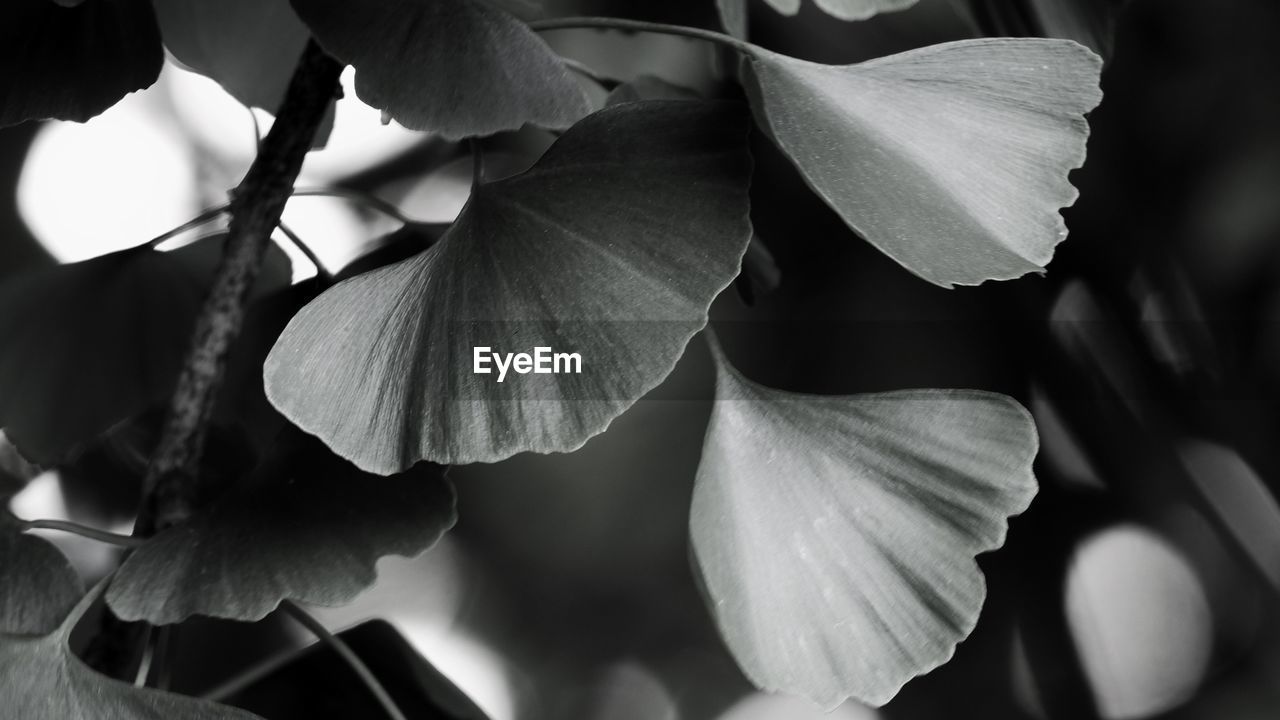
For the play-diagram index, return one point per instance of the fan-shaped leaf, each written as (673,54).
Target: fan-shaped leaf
(951,159)
(612,246)
(249,46)
(305,526)
(836,535)
(71,63)
(649,87)
(85,345)
(41,679)
(38,587)
(459,68)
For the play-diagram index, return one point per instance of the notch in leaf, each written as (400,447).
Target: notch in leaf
(951,159)
(71,61)
(836,536)
(41,678)
(459,68)
(612,246)
(305,526)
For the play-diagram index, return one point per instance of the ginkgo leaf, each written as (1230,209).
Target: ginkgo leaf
(459,68)
(649,87)
(951,159)
(861,9)
(73,62)
(786,7)
(41,679)
(38,586)
(305,526)
(86,345)
(250,47)
(836,536)
(612,247)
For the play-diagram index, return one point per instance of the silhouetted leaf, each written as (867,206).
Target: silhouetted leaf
(250,47)
(612,246)
(304,526)
(951,159)
(38,587)
(459,68)
(71,63)
(86,345)
(836,535)
(41,679)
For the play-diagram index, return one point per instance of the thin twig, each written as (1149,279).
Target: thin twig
(610,23)
(306,250)
(369,200)
(347,654)
(110,538)
(207,216)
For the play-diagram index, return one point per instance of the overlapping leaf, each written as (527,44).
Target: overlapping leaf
(41,679)
(612,246)
(836,535)
(250,47)
(951,159)
(86,345)
(72,61)
(38,587)
(304,526)
(460,68)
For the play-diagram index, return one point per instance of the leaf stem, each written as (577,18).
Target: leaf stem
(205,217)
(612,23)
(110,538)
(306,250)
(347,654)
(369,200)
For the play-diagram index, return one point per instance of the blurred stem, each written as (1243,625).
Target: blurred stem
(369,200)
(256,206)
(205,217)
(124,541)
(306,250)
(348,655)
(609,23)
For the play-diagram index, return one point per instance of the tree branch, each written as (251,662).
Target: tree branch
(256,206)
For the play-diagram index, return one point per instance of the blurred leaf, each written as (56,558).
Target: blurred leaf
(304,526)
(734,16)
(649,87)
(86,345)
(71,63)
(38,586)
(861,9)
(459,68)
(836,535)
(612,246)
(786,7)
(250,47)
(951,159)
(41,679)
